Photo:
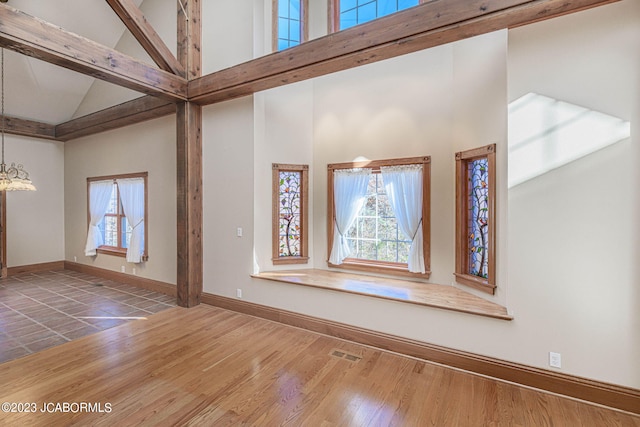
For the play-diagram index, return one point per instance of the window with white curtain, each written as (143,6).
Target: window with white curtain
(117,216)
(379,216)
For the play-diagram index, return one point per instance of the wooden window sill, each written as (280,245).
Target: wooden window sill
(427,294)
(118,252)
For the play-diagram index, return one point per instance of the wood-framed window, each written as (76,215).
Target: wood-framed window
(290,23)
(290,214)
(475,218)
(115,228)
(344,14)
(375,239)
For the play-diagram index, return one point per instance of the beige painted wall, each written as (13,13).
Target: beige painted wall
(573,233)
(436,102)
(35,220)
(149,147)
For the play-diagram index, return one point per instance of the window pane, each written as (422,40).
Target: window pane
(110,230)
(405,4)
(294,31)
(289,213)
(283,28)
(478,227)
(126,232)
(346,5)
(385,7)
(113,202)
(367,13)
(348,19)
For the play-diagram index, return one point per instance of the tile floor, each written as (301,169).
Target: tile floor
(44,309)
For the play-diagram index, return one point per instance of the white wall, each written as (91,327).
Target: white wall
(146,147)
(573,233)
(455,97)
(35,220)
(227,196)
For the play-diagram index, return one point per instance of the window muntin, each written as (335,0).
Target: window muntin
(290,194)
(367,224)
(350,13)
(114,226)
(289,23)
(475,218)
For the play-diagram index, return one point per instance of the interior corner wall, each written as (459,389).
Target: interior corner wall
(573,231)
(35,220)
(145,147)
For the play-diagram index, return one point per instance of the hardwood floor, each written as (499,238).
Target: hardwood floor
(206,366)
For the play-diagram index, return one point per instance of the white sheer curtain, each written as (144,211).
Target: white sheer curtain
(403,185)
(132,198)
(99,196)
(349,192)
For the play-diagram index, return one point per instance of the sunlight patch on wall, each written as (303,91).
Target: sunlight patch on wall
(545,133)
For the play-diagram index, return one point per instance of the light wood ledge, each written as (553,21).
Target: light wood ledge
(427,294)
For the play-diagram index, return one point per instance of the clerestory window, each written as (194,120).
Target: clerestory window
(289,23)
(349,13)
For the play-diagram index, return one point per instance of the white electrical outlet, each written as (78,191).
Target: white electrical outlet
(239,293)
(555,360)
(239,231)
(75,258)
(133,271)
(122,269)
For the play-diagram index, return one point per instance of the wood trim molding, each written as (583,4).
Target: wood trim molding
(137,281)
(33,268)
(614,396)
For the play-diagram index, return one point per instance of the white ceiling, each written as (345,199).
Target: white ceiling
(37,90)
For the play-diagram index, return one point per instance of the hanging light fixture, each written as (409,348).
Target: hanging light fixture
(13,178)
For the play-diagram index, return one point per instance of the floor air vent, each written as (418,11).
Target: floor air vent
(343,355)
(97,284)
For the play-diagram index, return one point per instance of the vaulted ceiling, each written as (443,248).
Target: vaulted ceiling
(38,90)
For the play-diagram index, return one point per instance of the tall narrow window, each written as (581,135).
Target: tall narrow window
(475,218)
(290,194)
(379,216)
(289,23)
(117,216)
(348,13)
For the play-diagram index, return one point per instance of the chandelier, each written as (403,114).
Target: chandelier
(14,177)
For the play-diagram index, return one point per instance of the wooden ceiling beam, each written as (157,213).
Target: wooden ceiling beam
(30,128)
(134,20)
(427,25)
(128,113)
(34,37)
